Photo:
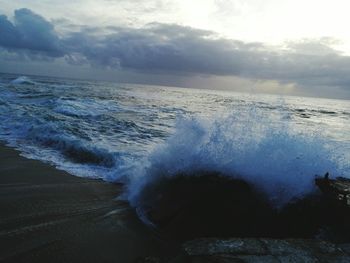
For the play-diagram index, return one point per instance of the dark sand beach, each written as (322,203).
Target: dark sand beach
(48,215)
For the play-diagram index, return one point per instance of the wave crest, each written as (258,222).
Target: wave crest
(22,80)
(76,151)
(265,151)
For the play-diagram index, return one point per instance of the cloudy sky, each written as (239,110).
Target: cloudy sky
(297,47)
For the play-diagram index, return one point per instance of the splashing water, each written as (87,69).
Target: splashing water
(139,134)
(267,152)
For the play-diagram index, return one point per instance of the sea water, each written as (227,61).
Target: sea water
(136,134)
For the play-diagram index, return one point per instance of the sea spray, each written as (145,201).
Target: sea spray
(120,133)
(261,149)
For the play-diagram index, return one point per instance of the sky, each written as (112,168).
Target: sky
(291,47)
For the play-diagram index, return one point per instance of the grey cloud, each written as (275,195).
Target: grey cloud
(29,32)
(177,50)
(184,50)
(159,47)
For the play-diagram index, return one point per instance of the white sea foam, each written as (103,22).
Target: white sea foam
(85,107)
(22,80)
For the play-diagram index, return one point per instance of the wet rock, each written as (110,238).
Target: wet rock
(204,205)
(345,248)
(149,260)
(236,246)
(259,250)
(337,189)
(265,250)
(185,207)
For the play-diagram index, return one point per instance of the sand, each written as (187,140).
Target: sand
(47,215)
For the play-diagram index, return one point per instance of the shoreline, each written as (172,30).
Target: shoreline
(48,215)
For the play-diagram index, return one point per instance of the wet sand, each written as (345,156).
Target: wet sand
(48,215)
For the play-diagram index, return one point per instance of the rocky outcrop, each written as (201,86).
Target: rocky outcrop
(337,189)
(264,250)
(212,205)
(256,250)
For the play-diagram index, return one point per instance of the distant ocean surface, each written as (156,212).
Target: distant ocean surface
(137,133)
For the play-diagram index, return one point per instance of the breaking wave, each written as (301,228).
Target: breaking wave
(268,153)
(178,151)
(241,175)
(77,151)
(22,80)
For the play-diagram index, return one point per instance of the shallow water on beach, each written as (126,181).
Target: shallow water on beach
(136,133)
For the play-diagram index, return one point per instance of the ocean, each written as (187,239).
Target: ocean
(136,134)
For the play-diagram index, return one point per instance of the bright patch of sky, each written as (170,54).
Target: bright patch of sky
(268,21)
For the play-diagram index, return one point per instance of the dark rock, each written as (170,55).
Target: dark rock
(264,250)
(198,205)
(345,248)
(236,246)
(149,260)
(337,189)
(191,206)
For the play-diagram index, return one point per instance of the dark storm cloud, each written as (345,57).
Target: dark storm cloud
(178,50)
(31,32)
(159,47)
